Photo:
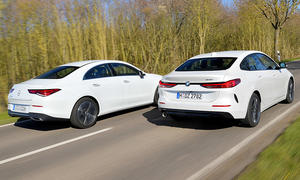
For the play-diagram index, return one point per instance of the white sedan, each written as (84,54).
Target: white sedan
(82,91)
(235,84)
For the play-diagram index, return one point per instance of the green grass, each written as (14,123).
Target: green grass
(5,118)
(289,60)
(281,160)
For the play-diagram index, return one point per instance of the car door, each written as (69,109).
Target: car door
(256,77)
(105,87)
(134,86)
(277,78)
(267,82)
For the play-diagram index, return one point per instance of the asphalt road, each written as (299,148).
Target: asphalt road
(139,144)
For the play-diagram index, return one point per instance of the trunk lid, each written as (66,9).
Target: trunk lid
(195,76)
(20,91)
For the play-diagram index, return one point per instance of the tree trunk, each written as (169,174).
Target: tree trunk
(276,42)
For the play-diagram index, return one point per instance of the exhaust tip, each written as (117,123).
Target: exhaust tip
(164,114)
(36,119)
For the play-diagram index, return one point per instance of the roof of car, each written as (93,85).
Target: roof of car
(225,54)
(85,62)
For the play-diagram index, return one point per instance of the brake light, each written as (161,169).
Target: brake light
(43,92)
(166,85)
(228,84)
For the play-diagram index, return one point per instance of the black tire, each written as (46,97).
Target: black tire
(156,97)
(253,112)
(84,113)
(290,92)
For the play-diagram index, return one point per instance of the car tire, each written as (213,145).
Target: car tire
(253,112)
(290,92)
(84,113)
(156,97)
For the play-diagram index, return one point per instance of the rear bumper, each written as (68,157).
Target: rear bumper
(34,116)
(235,107)
(196,113)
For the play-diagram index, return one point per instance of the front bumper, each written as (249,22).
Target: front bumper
(34,116)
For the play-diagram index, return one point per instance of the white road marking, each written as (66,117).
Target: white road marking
(6,125)
(18,122)
(215,163)
(53,146)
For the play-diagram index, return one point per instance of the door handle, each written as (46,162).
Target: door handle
(96,85)
(126,81)
(259,76)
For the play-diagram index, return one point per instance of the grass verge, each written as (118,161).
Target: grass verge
(281,160)
(5,118)
(289,60)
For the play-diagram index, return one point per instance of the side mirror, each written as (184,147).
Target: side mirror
(141,74)
(282,65)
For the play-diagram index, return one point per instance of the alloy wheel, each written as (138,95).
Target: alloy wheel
(86,113)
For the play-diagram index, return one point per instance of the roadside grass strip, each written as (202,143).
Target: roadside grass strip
(290,60)
(6,119)
(281,160)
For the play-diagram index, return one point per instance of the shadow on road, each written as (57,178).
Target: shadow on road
(54,125)
(41,126)
(154,117)
(119,113)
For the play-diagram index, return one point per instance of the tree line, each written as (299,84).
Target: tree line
(154,35)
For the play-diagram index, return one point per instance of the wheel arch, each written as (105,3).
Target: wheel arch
(258,94)
(292,78)
(91,97)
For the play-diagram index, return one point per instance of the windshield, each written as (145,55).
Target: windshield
(207,64)
(58,73)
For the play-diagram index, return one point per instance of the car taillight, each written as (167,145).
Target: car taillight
(166,85)
(43,92)
(228,84)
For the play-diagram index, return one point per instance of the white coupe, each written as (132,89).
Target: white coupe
(82,91)
(235,84)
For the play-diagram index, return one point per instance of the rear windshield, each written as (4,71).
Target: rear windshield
(58,73)
(207,64)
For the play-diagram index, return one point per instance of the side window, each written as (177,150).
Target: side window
(252,63)
(98,72)
(124,70)
(258,64)
(244,64)
(268,63)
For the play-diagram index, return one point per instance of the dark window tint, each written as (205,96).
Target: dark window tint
(245,65)
(124,70)
(98,72)
(206,64)
(58,73)
(268,63)
(252,63)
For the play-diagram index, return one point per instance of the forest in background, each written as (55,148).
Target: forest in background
(154,35)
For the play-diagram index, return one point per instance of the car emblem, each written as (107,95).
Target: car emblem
(187,83)
(19,92)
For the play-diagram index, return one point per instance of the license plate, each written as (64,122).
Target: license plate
(20,108)
(189,95)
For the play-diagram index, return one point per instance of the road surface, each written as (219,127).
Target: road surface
(139,144)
